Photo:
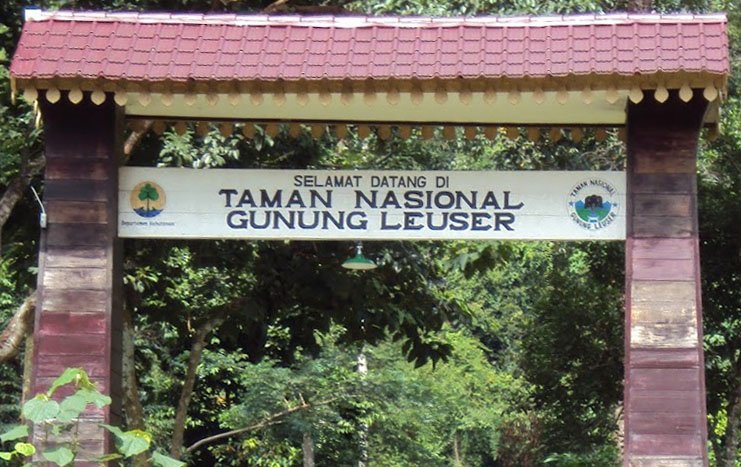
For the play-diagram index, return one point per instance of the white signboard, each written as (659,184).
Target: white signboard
(370,205)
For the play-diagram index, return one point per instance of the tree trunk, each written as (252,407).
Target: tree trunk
(363,435)
(19,326)
(27,370)
(132,404)
(456,451)
(30,167)
(727,457)
(198,343)
(308,448)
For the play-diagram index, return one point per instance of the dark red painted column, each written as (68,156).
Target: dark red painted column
(78,311)
(665,421)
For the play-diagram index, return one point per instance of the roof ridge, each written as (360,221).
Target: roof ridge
(357,21)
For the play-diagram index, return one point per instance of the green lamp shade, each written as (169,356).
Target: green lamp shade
(359,262)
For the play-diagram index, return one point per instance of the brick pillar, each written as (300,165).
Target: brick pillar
(665,421)
(79,283)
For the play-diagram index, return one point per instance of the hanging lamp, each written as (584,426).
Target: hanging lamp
(359,262)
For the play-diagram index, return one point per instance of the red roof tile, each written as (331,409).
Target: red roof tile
(179,47)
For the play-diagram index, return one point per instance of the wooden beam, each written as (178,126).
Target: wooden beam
(79,296)
(665,415)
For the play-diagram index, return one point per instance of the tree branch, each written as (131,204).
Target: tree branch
(730,437)
(135,136)
(267,421)
(198,343)
(31,165)
(17,329)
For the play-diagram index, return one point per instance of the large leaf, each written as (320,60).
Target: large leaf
(25,449)
(40,409)
(130,443)
(162,460)
(113,429)
(68,376)
(71,407)
(93,396)
(134,442)
(18,431)
(6,455)
(60,456)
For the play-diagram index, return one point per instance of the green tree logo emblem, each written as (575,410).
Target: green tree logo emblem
(147,199)
(147,193)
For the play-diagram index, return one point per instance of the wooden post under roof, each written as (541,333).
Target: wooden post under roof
(79,282)
(665,415)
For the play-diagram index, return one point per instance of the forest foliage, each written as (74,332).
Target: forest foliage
(481,354)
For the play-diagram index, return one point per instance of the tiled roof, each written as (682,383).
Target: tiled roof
(144,47)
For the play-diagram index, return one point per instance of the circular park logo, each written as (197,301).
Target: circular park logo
(147,199)
(592,204)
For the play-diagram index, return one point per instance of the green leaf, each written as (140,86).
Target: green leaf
(68,376)
(162,460)
(6,455)
(25,449)
(130,443)
(113,429)
(109,457)
(60,456)
(93,396)
(134,442)
(40,409)
(71,407)
(18,431)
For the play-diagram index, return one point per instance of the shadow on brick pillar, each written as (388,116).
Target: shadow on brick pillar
(79,308)
(665,421)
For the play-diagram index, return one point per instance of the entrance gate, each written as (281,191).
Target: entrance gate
(659,79)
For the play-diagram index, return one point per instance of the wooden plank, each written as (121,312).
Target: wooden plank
(75,278)
(83,345)
(649,227)
(72,323)
(77,190)
(678,379)
(77,169)
(664,162)
(676,292)
(660,335)
(645,269)
(45,383)
(668,401)
(662,205)
(663,302)
(664,248)
(74,257)
(77,235)
(663,183)
(666,423)
(663,313)
(664,358)
(661,444)
(79,301)
(665,461)
(51,366)
(77,212)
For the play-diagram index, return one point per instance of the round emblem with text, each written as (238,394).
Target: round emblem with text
(147,199)
(593,204)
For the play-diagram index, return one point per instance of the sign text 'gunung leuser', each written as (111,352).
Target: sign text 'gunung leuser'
(366,205)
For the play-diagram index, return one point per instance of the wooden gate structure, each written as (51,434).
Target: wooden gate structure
(658,78)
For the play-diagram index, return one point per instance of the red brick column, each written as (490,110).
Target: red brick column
(665,421)
(79,283)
